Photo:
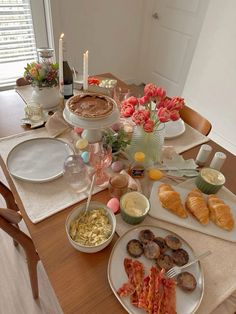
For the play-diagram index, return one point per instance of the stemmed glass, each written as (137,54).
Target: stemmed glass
(100,160)
(120,94)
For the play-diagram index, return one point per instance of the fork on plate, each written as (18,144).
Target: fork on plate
(174,271)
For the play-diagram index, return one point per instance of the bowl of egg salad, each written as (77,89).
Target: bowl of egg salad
(92,231)
(134,207)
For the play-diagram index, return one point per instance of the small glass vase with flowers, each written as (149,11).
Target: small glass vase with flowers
(43,77)
(149,114)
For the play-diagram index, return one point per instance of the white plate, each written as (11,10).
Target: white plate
(157,211)
(174,128)
(38,160)
(186,303)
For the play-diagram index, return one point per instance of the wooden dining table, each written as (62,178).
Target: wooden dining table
(79,280)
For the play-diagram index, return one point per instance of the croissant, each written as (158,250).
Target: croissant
(220,213)
(170,199)
(197,205)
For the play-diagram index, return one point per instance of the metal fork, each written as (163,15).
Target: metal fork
(174,271)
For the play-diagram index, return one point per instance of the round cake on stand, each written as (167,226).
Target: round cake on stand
(91,112)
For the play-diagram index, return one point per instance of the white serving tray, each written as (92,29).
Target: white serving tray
(157,211)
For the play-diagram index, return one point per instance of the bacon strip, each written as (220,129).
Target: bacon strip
(168,304)
(154,293)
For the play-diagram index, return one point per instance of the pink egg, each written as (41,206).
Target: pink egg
(114,204)
(116,126)
(78,130)
(117,166)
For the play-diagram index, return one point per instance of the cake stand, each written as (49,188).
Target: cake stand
(92,127)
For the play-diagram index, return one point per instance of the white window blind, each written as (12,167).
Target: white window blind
(17,39)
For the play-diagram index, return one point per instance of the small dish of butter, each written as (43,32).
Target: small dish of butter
(209,180)
(134,207)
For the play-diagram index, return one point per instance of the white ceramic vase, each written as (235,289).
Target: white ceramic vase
(47,97)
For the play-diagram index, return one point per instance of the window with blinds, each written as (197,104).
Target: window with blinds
(17,39)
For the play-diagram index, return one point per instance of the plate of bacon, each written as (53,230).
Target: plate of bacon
(136,272)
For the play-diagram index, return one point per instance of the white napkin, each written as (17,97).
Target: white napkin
(56,124)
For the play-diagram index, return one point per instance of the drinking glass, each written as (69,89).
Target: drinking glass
(34,111)
(76,173)
(120,94)
(100,160)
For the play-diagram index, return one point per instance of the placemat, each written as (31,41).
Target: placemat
(42,200)
(189,139)
(219,272)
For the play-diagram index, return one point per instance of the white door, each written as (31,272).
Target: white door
(171,30)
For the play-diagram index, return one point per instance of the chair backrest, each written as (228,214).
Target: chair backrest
(9,219)
(195,120)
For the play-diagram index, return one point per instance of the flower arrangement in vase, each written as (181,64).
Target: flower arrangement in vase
(42,74)
(149,113)
(43,77)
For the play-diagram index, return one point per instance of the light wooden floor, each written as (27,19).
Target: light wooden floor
(15,291)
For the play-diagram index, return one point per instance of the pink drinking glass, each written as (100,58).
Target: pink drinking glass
(100,160)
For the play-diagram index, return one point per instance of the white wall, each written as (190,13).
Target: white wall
(109,29)
(211,83)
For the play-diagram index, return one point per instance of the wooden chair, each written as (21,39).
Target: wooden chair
(195,120)
(9,219)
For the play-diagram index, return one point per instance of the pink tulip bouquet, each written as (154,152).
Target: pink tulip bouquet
(152,109)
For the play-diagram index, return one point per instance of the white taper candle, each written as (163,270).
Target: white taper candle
(61,80)
(85,71)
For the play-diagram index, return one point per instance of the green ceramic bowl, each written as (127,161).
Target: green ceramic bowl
(134,207)
(209,180)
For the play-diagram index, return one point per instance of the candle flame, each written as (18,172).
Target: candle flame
(62,35)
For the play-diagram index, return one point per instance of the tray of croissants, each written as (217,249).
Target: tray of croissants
(186,206)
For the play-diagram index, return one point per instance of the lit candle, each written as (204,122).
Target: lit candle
(61,81)
(85,71)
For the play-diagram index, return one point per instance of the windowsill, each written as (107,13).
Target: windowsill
(7,87)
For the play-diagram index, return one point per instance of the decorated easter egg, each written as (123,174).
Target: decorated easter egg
(78,130)
(116,126)
(114,204)
(117,166)
(81,144)
(85,157)
(155,174)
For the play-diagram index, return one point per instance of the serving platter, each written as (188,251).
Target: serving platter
(186,303)
(157,211)
(38,160)
(174,128)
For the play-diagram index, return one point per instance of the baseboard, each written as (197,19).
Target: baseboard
(222,141)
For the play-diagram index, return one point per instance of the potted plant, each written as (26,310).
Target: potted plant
(117,140)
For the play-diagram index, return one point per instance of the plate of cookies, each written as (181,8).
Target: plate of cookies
(186,206)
